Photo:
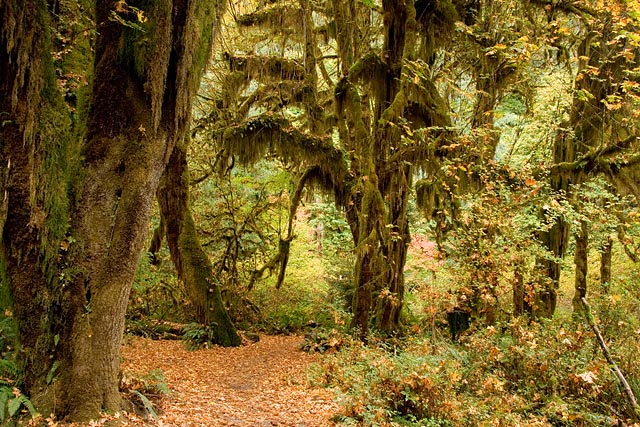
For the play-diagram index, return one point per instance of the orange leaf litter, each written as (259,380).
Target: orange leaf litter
(260,384)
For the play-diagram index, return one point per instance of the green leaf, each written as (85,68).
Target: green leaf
(27,403)
(52,371)
(56,340)
(147,404)
(13,406)
(4,396)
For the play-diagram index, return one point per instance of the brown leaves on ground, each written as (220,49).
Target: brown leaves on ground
(260,384)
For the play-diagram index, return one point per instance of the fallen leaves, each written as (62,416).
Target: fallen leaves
(261,384)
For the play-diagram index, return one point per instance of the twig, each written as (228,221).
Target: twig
(627,388)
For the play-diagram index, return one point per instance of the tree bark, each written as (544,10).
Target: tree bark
(71,316)
(33,142)
(191,262)
(605,264)
(581,261)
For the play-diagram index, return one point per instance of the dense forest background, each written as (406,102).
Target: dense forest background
(441,195)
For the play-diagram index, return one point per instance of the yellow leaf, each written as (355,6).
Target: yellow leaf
(141,17)
(120,6)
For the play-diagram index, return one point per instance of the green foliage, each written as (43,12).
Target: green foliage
(197,336)
(542,374)
(155,294)
(145,391)
(13,404)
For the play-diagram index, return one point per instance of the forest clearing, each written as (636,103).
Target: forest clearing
(371,213)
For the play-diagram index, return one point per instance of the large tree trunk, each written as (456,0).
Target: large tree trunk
(556,237)
(125,154)
(391,303)
(71,320)
(33,138)
(191,262)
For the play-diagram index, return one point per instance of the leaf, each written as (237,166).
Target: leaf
(27,403)
(52,371)
(4,396)
(147,404)
(13,406)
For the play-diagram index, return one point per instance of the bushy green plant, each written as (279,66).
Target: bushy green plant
(197,336)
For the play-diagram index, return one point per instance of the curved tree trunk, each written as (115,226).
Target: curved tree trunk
(190,260)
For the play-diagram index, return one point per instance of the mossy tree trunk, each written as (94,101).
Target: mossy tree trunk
(581,261)
(192,263)
(33,143)
(71,315)
(605,264)
(585,143)
(383,188)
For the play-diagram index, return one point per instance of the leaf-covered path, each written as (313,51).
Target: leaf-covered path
(260,384)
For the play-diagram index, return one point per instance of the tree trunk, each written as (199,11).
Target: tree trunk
(156,241)
(391,303)
(581,261)
(605,265)
(71,320)
(33,142)
(522,295)
(555,239)
(191,262)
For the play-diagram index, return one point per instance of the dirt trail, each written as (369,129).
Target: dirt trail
(260,384)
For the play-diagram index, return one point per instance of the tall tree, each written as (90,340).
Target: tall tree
(598,137)
(70,295)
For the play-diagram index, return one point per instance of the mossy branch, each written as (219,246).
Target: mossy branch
(605,350)
(369,68)
(252,140)
(594,159)
(262,66)
(276,18)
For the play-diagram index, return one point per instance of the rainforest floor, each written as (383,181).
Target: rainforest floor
(258,384)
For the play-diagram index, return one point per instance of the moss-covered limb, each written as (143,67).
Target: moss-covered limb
(595,159)
(261,67)
(270,133)
(628,391)
(368,69)
(275,95)
(395,110)
(344,33)
(581,9)
(276,18)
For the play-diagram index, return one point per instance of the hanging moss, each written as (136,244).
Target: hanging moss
(261,67)
(272,134)
(277,18)
(368,69)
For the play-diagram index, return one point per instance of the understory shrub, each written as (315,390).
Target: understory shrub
(543,374)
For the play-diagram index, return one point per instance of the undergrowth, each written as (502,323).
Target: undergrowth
(543,374)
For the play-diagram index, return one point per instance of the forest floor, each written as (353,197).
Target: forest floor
(258,384)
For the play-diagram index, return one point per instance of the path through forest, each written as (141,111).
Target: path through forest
(259,384)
